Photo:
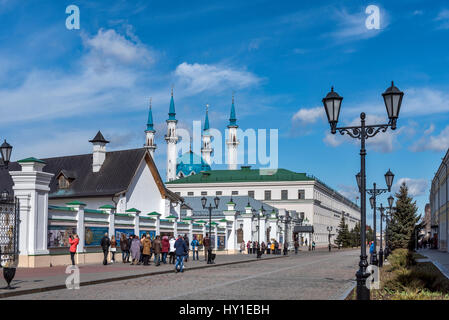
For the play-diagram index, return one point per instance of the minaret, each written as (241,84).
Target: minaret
(232,142)
(206,149)
(172,139)
(149,133)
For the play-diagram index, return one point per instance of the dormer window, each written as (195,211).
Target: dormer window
(63,182)
(65,178)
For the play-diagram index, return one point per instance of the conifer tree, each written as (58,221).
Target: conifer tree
(403,220)
(355,236)
(343,238)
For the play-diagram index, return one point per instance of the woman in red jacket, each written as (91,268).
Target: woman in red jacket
(73,241)
(165,248)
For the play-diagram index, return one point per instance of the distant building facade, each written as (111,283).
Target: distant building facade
(439,206)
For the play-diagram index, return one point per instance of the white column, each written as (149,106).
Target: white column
(80,230)
(158,225)
(137,223)
(31,187)
(216,237)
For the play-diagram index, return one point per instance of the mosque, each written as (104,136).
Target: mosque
(309,205)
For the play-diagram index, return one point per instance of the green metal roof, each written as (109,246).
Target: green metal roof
(107,206)
(76,203)
(31,159)
(133,210)
(60,208)
(94,211)
(154,213)
(245,174)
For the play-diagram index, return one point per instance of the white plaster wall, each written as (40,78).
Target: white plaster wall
(143,193)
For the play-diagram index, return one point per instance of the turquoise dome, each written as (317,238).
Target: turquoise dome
(190,163)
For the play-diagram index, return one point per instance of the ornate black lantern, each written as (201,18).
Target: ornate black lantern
(393,100)
(390,202)
(5,151)
(332,105)
(389,176)
(217,202)
(371,201)
(203,202)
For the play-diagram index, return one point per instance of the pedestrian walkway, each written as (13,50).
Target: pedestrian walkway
(438,258)
(31,280)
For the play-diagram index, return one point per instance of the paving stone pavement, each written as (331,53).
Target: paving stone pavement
(308,275)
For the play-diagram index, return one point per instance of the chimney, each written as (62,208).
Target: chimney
(99,151)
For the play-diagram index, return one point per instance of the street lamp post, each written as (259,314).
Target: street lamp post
(381,251)
(329,228)
(332,103)
(210,207)
(389,176)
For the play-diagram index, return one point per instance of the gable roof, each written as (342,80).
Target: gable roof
(115,175)
(245,174)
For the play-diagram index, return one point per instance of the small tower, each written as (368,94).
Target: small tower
(232,142)
(149,134)
(172,139)
(99,151)
(206,150)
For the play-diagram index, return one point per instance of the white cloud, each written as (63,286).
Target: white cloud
(430,129)
(196,78)
(436,143)
(443,19)
(352,26)
(416,187)
(332,140)
(110,44)
(350,192)
(308,116)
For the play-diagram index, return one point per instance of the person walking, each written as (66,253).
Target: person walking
(248,247)
(172,250)
(113,248)
(141,248)
(242,247)
(186,239)
(195,244)
(73,241)
(135,250)
(124,246)
(285,248)
(206,244)
(273,246)
(105,243)
(146,251)
(181,249)
(371,251)
(268,247)
(157,249)
(296,246)
(313,245)
(165,249)
(264,247)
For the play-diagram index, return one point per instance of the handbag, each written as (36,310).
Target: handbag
(113,249)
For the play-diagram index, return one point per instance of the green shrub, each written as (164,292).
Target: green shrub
(398,259)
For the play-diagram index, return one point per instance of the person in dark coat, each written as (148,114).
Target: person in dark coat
(206,244)
(181,249)
(124,246)
(157,249)
(105,243)
(186,239)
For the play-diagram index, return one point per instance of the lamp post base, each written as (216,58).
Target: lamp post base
(8,274)
(374,260)
(381,257)
(363,292)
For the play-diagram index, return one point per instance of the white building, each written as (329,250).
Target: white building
(439,205)
(283,189)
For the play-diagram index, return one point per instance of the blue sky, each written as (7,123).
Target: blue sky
(59,86)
